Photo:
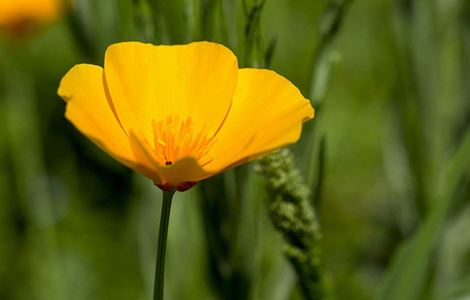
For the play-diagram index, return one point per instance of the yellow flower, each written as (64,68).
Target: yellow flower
(19,16)
(180,114)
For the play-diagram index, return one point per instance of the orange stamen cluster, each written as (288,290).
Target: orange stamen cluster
(176,138)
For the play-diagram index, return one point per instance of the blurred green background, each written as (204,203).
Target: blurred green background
(390,81)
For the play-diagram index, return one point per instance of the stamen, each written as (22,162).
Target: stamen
(176,138)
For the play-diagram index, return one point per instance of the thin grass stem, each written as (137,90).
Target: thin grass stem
(161,248)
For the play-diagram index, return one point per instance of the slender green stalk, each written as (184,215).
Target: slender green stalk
(161,249)
(323,59)
(331,22)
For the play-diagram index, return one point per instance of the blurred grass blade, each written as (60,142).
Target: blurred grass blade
(254,44)
(30,178)
(323,58)
(461,290)
(231,267)
(409,269)
(321,166)
(171,20)
(330,25)
(213,25)
(83,40)
(145,22)
(270,49)
(126,19)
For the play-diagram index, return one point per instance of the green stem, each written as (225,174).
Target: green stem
(161,249)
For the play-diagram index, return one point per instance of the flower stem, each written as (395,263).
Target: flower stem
(161,249)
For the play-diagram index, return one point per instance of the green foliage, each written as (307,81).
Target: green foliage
(385,161)
(407,276)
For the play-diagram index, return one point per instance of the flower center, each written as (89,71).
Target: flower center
(177,138)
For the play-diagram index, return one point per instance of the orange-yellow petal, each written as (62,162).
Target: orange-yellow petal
(267,113)
(88,110)
(148,83)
